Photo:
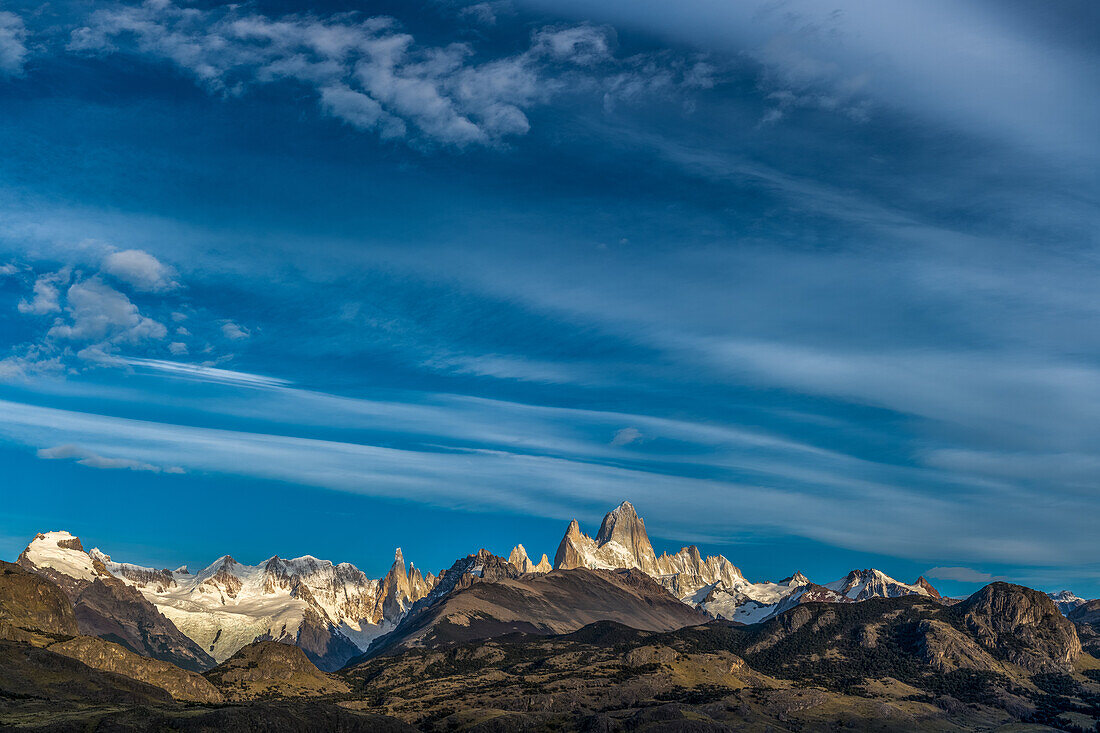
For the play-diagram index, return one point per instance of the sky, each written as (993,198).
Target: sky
(814,286)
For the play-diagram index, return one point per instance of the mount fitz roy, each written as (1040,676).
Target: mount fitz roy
(335,613)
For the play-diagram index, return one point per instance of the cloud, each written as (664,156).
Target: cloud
(962,575)
(482,13)
(234,332)
(140,269)
(177,348)
(30,361)
(501,366)
(202,373)
(13,47)
(47,295)
(368,72)
(87,458)
(8,269)
(583,45)
(981,67)
(100,314)
(626,436)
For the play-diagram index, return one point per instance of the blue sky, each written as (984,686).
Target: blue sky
(813,286)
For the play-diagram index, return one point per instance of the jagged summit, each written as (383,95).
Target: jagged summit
(523,563)
(622,542)
(713,583)
(331,611)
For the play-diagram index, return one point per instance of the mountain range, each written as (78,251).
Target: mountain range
(610,637)
(334,612)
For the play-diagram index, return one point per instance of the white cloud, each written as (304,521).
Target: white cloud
(232,331)
(98,313)
(962,575)
(140,269)
(626,436)
(367,73)
(177,348)
(31,361)
(13,44)
(8,269)
(47,295)
(583,44)
(482,13)
(87,458)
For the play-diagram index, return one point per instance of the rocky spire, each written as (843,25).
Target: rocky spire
(575,549)
(395,593)
(623,526)
(519,558)
(622,542)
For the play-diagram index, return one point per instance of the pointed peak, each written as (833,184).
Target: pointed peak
(574,529)
(927,587)
(625,509)
(518,557)
(398,557)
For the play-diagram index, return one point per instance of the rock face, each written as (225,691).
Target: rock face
(32,609)
(624,527)
(269,669)
(945,649)
(108,657)
(557,602)
(1086,617)
(112,610)
(924,585)
(1020,625)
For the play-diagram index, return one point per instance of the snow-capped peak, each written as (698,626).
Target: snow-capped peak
(1066,600)
(859,585)
(61,552)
